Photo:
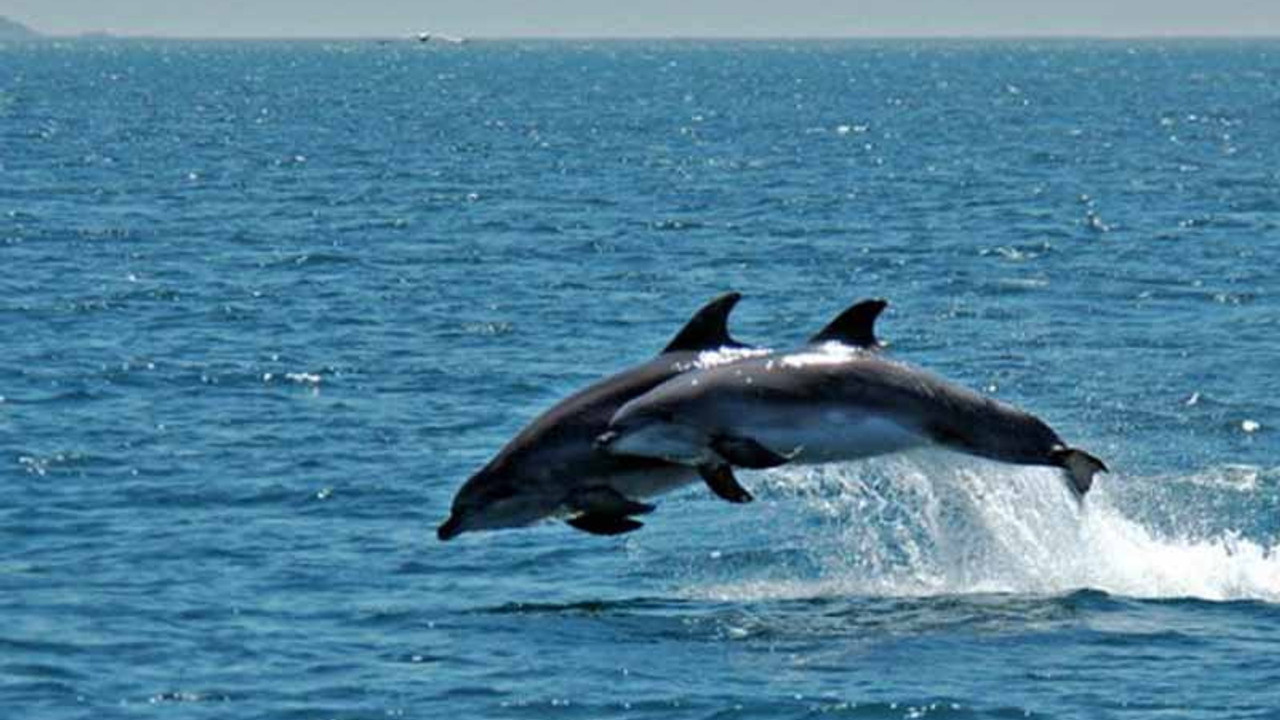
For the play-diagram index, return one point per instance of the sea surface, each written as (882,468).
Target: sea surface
(264,306)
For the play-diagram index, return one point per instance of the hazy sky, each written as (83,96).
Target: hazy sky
(601,18)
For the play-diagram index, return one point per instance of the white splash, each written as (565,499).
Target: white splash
(828,353)
(723,356)
(935,524)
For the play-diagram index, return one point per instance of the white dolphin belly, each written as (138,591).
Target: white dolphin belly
(832,435)
(646,484)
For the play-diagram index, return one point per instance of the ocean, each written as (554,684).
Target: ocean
(264,306)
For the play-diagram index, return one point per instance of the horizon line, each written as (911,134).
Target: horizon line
(412,37)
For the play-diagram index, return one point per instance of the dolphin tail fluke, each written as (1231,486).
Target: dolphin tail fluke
(1080,467)
(722,482)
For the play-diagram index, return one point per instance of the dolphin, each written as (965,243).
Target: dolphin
(552,469)
(838,398)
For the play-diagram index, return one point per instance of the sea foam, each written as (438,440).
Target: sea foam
(933,523)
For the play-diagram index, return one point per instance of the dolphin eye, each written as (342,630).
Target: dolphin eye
(666,416)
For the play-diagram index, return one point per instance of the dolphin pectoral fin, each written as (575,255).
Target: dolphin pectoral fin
(604,524)
(604,500)
(722,482)
(604,511)
(747,453)
(1080,467)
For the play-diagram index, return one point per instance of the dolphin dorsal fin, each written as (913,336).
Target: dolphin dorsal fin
(855,326)
(708,328)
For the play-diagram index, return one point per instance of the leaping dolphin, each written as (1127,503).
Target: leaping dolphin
(552,469)
(836,399)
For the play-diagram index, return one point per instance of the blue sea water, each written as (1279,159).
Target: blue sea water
(264,306)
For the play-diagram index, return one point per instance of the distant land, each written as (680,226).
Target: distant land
(14,30)
(63,29)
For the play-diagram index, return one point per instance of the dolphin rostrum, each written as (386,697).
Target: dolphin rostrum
(836,399)
(552,468)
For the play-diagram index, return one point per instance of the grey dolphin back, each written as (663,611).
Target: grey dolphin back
(855,326)
(708,329)
(604,511)
(557,444)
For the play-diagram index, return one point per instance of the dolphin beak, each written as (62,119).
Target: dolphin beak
(450,528)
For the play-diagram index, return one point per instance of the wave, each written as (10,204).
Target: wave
(934,524)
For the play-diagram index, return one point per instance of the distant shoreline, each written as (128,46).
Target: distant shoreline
(11,29)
